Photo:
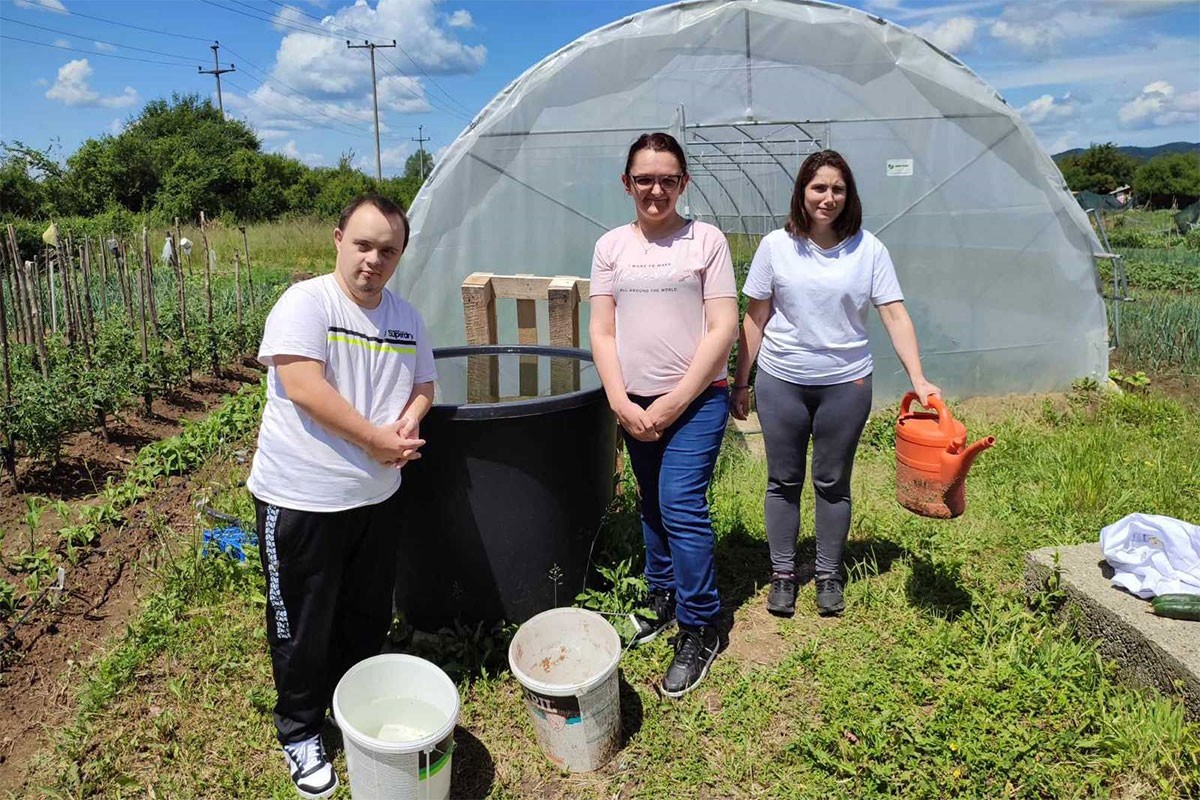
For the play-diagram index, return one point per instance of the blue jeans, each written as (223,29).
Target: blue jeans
(673,475)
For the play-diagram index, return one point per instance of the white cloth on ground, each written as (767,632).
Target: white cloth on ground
(1153,554)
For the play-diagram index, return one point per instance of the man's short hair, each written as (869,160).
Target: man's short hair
(387,207)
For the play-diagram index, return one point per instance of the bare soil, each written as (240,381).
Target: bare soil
(39,661)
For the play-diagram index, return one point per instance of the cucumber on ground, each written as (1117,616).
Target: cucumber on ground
(1177,606)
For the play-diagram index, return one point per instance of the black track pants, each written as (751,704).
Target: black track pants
(330,581)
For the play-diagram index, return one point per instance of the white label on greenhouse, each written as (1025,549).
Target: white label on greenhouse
(899,167)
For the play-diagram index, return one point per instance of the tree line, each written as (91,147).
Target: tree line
(179,157)
(1170,179)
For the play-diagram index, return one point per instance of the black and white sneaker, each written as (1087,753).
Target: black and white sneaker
(695,649)
(781,600)
(653,616)
(311,769)
(829,597)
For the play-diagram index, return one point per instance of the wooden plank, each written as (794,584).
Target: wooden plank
(563,298)
(527,334)
(520,287)
(479,315)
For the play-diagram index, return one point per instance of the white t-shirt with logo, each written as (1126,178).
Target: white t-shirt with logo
(818,333)
(373,357)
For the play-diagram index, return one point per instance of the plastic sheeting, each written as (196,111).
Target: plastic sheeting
(993,253)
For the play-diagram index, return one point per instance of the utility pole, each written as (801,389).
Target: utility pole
(421,139)
(216,70)
(375,97)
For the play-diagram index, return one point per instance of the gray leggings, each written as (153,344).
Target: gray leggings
(833,416)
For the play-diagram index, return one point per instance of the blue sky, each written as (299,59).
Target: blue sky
(1080,71)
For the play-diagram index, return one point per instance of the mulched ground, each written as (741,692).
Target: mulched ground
(39,661)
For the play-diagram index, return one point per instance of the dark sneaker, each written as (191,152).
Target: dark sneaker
(310,768)
(781,600)
(695,649)
(653,616)
(829,597)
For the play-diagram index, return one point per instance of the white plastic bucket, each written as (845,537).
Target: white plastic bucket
(397,715)
(566,660)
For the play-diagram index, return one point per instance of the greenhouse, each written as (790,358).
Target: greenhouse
(994,255)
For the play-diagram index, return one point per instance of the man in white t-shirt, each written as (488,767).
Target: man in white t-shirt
(349,377)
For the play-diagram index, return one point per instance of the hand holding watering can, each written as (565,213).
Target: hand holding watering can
(932,459)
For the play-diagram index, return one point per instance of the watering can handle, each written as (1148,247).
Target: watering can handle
(945,418)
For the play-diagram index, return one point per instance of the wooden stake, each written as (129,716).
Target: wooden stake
(104,279)
(212,336)
(89,319)
(9,449)
(237,293)
(25,335)
(147,398)
(123,279)
(35,311)
(249,271)
(183,330)
(148,265)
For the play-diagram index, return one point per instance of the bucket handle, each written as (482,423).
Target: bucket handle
(945,418)
(429,766)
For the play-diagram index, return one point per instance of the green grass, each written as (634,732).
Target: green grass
(938,682)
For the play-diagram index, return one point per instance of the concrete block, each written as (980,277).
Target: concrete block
(1154,651)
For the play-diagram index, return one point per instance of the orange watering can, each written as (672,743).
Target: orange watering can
(932,459)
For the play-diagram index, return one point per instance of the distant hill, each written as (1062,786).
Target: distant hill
(1141,153)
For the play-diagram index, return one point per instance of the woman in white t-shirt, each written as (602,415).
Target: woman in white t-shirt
(664,318)
(810,287)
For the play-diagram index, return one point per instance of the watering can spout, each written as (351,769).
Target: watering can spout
(961,462)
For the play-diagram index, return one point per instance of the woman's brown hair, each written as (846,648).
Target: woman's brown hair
(661,142)
(849,222)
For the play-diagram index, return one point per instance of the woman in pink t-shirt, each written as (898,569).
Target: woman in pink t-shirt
(664,318)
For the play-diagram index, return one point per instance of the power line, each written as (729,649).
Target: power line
(314,123)
(93,53)
(97,41)
(280,23)
(264,77)
(439,105)
(139,28)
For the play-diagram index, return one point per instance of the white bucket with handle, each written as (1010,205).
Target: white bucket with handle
(566,659)
(397,715)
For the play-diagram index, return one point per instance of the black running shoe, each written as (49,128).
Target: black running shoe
(695,649)
(653,616)
(829,597)
(311,771)
(781,600)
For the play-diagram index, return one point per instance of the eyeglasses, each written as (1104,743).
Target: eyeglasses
(669,183)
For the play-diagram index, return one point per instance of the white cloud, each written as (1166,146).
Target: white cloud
(1139,8)
(71,88)
(394,157)
(61,42)
(1047,109)
(105,47)
(116,127)
(1136,66)
(289,17)
(45,5)
(1066,141)
(292,151)
(954,35)
(461,19)
(1158,106)
(271,133)
(1041,29)
(41,82)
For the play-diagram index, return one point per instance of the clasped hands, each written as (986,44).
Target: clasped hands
(396,443)
(650,423)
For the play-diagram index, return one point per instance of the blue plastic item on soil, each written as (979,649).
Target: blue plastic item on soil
(231,541)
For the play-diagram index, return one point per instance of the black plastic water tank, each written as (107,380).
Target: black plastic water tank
(500,511)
